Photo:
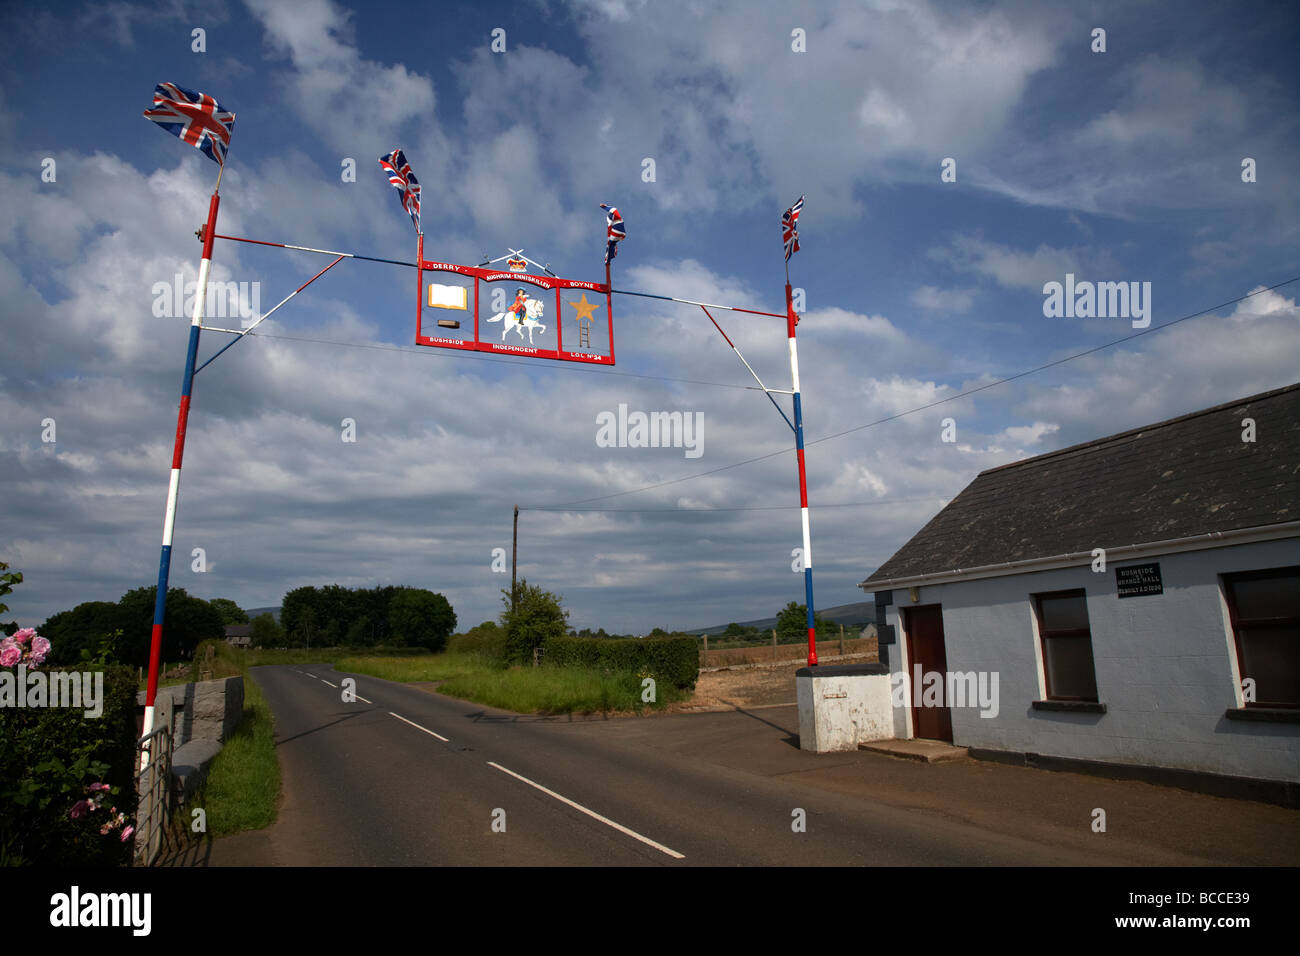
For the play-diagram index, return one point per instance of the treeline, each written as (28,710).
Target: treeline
(390,616)
(791,628)
(92,626)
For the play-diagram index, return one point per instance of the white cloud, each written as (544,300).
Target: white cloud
(1029,434)
(347,99)
(942,300)
(1009,267)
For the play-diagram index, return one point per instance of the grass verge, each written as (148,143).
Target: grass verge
(242,789)
(523,690)
(427,667)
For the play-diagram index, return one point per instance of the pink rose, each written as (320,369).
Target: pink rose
(10,654)
(24,634)
(79,809)
(126,834)
(40,646)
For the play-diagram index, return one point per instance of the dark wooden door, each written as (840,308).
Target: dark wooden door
(925,648)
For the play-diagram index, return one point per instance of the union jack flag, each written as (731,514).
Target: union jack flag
(789,235)
(196,118)
(614,231)
(401,177)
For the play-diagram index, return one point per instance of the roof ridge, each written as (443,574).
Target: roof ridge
(1132,432)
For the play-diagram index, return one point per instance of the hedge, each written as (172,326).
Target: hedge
(48,755)
(673,660)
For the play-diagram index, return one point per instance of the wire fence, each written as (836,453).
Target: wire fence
(722,652)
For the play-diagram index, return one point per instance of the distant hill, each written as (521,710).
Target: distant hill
(850,615)
(253,612)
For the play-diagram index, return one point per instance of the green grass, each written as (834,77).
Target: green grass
(242,790)
(557,690)
(523,690)
(427,667)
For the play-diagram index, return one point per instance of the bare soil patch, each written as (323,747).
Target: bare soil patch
(756,686)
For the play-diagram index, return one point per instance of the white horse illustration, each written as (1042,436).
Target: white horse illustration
(534,309)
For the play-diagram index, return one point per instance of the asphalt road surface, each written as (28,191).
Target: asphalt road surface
(407,777)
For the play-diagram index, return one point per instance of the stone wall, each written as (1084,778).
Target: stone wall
(208,710)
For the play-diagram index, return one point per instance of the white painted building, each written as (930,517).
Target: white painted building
(1134,601)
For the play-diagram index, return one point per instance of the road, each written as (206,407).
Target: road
(408,777)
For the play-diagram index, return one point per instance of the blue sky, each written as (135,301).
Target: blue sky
(1123,165)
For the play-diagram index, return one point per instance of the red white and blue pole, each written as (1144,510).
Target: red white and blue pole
(791,320)
(178,451)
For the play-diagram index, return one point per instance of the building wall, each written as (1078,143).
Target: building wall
(1165,664)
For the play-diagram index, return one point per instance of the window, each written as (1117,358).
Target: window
(1067,645)
(1265,611)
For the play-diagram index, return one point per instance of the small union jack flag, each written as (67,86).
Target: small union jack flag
(789,235)
(401,177)
(614,231)
(196,118)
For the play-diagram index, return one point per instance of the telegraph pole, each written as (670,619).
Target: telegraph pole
(514,557)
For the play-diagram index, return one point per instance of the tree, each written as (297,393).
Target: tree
(81,627)
(7,581)
(231,613)
(421,618)
(735,630)
(300,615)
(188,620)
(535,617)
(792,623)
(361,633)
(267,633)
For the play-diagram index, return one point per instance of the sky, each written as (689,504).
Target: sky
(956,159)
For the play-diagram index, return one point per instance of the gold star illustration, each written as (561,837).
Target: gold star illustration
(584,308)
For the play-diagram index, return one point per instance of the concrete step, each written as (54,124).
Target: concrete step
(929,751)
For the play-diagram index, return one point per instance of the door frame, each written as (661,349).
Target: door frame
(912,704)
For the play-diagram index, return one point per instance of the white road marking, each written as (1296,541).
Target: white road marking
(359,697)
(591,813)
(324,681)
(417,726)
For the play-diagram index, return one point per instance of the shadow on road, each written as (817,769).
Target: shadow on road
(305,733)
(791,738)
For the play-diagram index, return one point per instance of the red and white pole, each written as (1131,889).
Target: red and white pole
(174,485)
(790,321)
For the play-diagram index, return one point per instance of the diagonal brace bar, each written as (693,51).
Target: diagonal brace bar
(263,318)
(766,390)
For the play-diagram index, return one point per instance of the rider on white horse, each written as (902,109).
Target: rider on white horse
(520,306)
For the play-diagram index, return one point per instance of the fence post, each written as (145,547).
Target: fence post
(706,650)
(841,640)
(773,643)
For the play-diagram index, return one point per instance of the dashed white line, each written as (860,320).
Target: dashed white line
(324,681)
(417,726)
(591,813)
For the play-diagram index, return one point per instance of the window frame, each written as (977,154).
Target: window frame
(1236,625)
(1075,633)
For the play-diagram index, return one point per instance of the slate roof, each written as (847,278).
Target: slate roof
(1178,478)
